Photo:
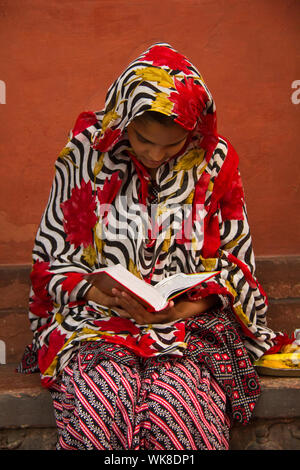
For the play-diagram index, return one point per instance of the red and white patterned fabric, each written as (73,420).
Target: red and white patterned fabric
(109,399)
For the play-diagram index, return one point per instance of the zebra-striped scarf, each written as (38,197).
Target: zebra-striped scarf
(98,215)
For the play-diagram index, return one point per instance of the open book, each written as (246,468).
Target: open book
(154,298)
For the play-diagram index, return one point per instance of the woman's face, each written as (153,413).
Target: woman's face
(154,143)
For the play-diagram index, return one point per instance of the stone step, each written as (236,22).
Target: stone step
(25,407)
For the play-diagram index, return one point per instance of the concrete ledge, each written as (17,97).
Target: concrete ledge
(23,401)
(280,398)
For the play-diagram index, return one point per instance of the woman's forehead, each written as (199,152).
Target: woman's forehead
(158,133)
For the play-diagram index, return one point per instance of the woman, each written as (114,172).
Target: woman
(147,183)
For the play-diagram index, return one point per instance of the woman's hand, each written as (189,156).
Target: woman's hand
(128,307)
(131,308)
(96,295)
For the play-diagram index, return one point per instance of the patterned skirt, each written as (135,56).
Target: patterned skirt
(107,398)
(113,404)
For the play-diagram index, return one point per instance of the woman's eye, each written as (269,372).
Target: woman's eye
(141,139)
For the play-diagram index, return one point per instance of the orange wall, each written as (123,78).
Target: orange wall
(58,58)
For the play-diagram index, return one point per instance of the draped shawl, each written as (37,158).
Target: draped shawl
(98,214)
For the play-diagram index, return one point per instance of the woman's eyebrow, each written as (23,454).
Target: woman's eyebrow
(149,141)
(144,138)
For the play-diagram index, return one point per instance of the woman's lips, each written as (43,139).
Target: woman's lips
(152,163)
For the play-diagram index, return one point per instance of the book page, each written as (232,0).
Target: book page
(181,282)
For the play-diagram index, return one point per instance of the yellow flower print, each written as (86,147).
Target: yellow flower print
(98,238)
(231,289)
(94,334)
(108,118)
(133,269)
(50,370)
(167,240)
(162,104)
(99,165)
(195,243)
(161,209)
(160,76)
(97,168)
(65,152)
(233,242)
(90,255)
(192,158)
(190,198)
(242,316)
(64,156)
(210,186)
(59,318)
(209,263)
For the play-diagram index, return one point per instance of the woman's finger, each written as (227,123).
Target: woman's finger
(122,313)
(134,308)
(139,313)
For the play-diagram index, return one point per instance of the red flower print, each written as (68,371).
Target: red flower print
(117,325)
(40,307)
(84,120)
(145,344)
(280,341)
(71,281)
(107,140)
(162,55)
(79,215)
(208,124)
(141,347)
(46,355)
(180,333)
(40,277)
(110,189)
(231,203)
(190,100)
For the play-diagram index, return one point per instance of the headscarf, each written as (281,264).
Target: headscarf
(98,215)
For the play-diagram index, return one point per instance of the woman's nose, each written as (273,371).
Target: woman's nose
(157,153)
